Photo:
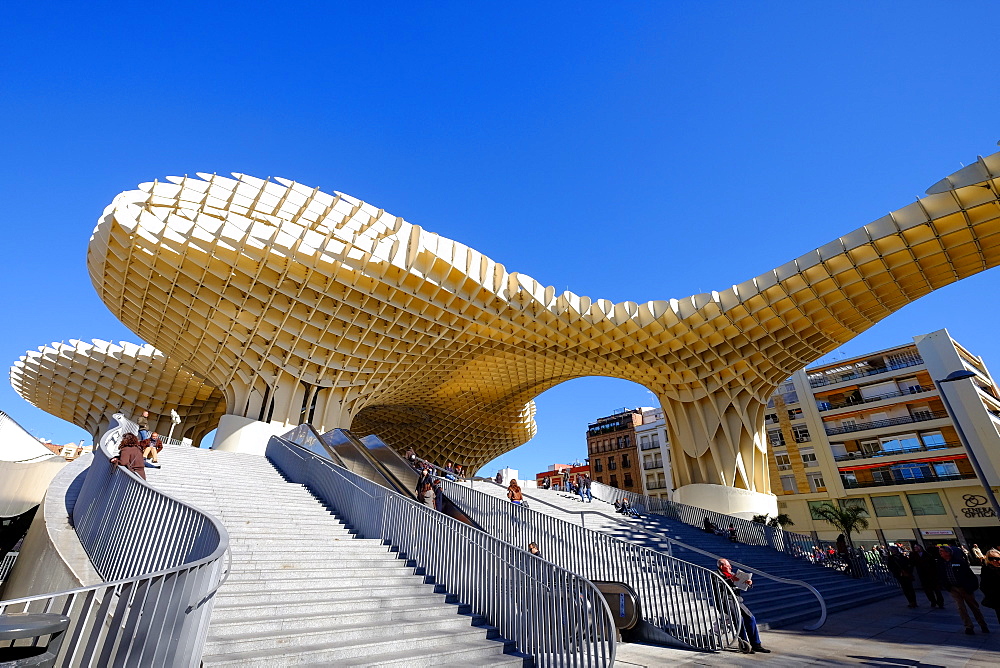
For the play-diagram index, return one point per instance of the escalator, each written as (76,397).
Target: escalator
(370,458)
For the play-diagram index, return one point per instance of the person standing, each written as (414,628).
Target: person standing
(902,569)
(925,566)
(957,577)
(514,492)
(749,635)
(426,495)
(989,581)
(585,488)
(143,422)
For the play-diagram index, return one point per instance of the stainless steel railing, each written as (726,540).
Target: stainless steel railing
(689,603)
(163,559)
(635,528)
(557,617)
(797,545)
(6,564)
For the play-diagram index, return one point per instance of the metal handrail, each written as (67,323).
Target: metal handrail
(566,622)
(793,544)
(829,406)
(633,527)
(888,422)
(155,608)
(690,603)
(820,381)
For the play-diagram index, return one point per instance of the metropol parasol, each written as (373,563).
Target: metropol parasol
(268,303)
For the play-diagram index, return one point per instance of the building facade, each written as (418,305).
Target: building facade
(654,449)
(556,472)
(873,431)
(612,450)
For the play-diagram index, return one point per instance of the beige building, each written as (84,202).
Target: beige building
(873,431)
(654,451)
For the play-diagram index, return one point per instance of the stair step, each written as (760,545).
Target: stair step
(227,610)
(296,623)
(253,641)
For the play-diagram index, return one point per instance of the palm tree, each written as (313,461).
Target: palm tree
(847,520)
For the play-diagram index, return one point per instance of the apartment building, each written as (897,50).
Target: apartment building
(873,431)
(654,449)
(612,450)
(555,473)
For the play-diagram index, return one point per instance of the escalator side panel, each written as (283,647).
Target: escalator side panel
(392,462)
(353,458)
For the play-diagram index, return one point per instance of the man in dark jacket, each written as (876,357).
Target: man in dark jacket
(901,569)
(957,577)
(925,563)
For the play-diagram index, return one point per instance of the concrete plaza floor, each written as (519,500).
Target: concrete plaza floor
(885,634)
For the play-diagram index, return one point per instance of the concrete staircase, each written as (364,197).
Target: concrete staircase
(774,604)
(304,590)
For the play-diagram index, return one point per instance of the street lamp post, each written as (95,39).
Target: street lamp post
(175,420)
(965,374)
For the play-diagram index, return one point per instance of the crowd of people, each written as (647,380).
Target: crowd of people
(136,452)
(948,568)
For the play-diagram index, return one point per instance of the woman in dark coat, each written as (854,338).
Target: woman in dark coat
(926,568)
(989,581)
(130,456)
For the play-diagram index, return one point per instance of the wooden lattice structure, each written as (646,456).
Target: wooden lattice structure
(302,305)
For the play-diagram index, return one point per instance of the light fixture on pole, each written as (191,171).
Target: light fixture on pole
(965,374)
(175,420)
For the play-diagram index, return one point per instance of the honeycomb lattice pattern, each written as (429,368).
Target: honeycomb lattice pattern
(302,305)
(85,383)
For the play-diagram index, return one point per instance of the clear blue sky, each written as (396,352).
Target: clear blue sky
(628,151)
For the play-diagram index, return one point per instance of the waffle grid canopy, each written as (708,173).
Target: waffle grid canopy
(299,305)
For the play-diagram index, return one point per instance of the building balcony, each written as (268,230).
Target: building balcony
(825,380)
(653,465)
(890,422)
(656,486)
(650,446)
(854,484)
(831,406)
(854,456)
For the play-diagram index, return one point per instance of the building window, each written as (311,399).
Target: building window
(848,422)
(925,504)
(597,466)
(771,418)
(614,481)
(628,480)
(626,439)
(853,503)
(784,464)
(775,437)
(946,469)
(794,413)
(934,439)
(656,440)
(888,506)
(625,461)
(600,479)
(921,413)
(788,484)
(849,479)
(904,359)
(813,505)
(801,433)
(612,465)
(816,483)
(809,459)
